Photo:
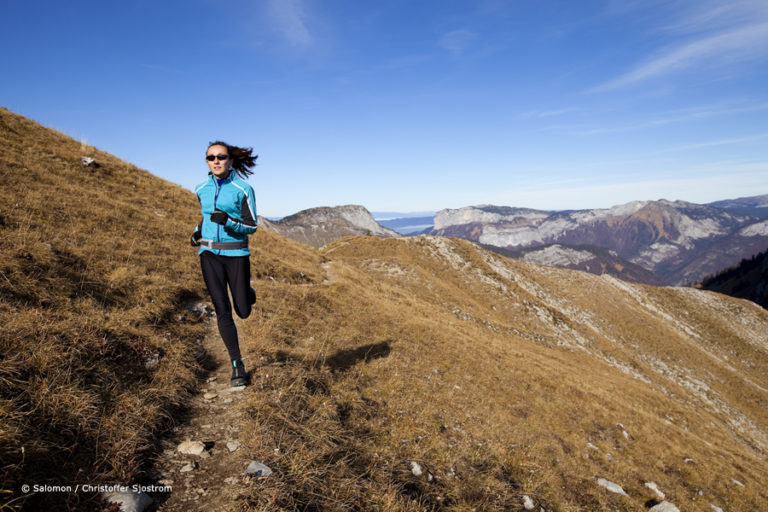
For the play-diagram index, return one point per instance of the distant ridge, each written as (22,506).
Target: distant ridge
(319,226)
(678,242)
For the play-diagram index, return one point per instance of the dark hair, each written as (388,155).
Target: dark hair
(243,159)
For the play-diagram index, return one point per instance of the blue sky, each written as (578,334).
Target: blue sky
(409,105)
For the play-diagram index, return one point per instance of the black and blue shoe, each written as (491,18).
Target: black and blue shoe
(239,375)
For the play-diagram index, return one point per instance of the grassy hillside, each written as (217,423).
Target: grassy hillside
(94,268)
(501,379)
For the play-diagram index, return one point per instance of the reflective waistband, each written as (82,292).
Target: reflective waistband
(210,244)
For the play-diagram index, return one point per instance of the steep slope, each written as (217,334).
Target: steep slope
(679,242)
(96,349)
(426,373)
(319,226)
(748,280)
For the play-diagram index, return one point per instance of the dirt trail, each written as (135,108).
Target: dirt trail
(213,418)
(212,481)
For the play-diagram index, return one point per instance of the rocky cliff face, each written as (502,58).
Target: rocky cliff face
(319,226)
(679,242)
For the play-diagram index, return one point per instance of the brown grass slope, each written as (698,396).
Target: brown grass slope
(499,378)
(93,273)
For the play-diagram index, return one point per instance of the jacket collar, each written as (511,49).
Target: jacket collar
(229,177)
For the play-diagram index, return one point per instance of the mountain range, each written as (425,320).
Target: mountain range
(678,242)
(651,242)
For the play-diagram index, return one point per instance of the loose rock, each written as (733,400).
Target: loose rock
(652,486)
(233,446)
(615,488)
(191,448)
(257,469)
(128,501)
(664,506)
(416,469)
(210,395)
(528,503)
(191,466)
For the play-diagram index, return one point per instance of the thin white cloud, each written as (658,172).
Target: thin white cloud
(710,34)
(456,41)
(680,116)
(539,114)
(289,19)
(712,143)
(746,43)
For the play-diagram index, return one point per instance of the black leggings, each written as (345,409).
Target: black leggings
(218,272)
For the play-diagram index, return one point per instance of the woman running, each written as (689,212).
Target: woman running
(228,205)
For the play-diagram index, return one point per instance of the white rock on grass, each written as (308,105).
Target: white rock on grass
(128,501)
(233,446)
(652,486)
(528,503)
(716,508)
(664,506)
(191,466)
(257,469)
(615,488)
(416,469)
(192,448)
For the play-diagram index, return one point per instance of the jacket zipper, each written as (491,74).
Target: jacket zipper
(215,198)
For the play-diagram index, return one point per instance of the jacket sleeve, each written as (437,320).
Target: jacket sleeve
(248,214)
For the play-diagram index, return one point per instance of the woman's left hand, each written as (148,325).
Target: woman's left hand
(219,217)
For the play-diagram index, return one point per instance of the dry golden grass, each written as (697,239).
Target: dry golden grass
(93,273)
(501,379)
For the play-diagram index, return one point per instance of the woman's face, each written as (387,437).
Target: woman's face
(219,168)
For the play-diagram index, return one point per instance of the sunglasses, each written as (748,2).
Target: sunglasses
(211,158)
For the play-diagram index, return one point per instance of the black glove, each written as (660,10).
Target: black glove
(219,217)
(194,240)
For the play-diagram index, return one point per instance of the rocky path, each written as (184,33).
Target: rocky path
(203,461)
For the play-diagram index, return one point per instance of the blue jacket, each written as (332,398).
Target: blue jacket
(235,197)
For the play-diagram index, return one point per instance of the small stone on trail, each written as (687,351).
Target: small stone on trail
(615,488)
(716,508)
(192,448)
(212,379)
(233,446)
(128,501)
(232,480)
(528,503)
(257,469)
(189,467)
(737,482)
(664,506)
(210,395)
(652,486)
(234,389)
(416,469)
